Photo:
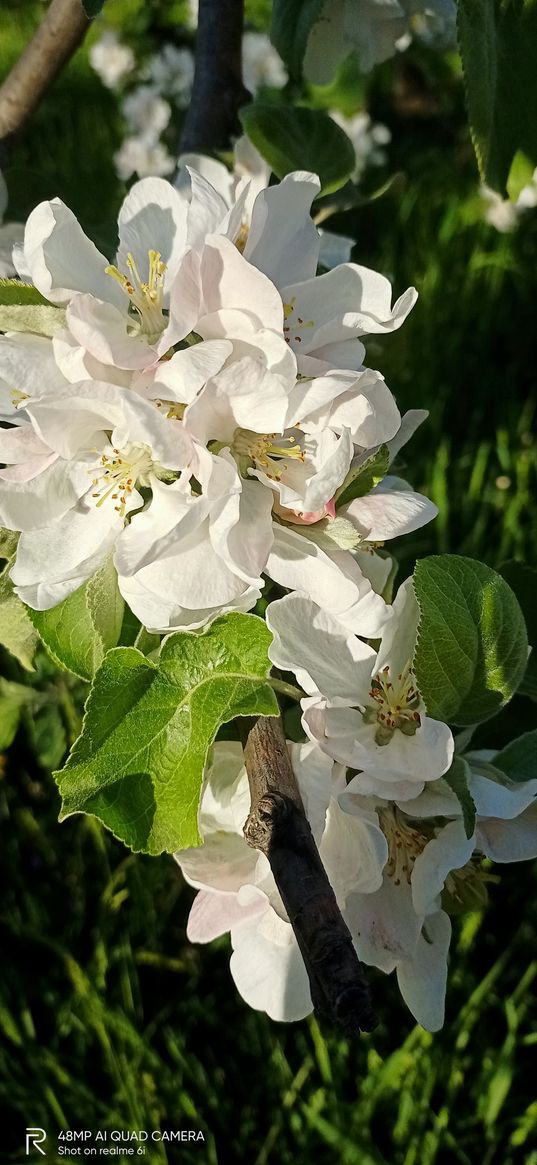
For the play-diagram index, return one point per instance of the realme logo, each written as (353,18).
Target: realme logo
(35,1138)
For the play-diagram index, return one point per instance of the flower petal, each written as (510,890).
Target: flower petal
(283,241)
(310,643)
(422,978)
(61,258)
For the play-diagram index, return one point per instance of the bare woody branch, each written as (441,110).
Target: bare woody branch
(277,826)
(62,29)
(218,92)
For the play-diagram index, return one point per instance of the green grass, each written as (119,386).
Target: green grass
(110,1019)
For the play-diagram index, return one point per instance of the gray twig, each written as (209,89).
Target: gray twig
(277,826)
(61,30)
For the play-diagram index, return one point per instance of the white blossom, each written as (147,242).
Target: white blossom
(262,65)
(368,138)
(362,707)
(147,113)
(171,71)
(111,59)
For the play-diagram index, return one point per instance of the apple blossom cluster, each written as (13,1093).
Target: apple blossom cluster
(198,409)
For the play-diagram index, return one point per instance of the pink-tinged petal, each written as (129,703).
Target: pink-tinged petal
(61,258)
(21,446)
(39,500)
(212,915)
(384,925)
(422,978)
(224,862)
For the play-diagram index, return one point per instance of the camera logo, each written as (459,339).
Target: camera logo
(35,1138)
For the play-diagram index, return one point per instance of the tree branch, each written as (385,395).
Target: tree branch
(218,92)
(62,29)
(277,826)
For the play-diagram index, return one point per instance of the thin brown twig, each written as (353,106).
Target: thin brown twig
(62,29)
(277,825)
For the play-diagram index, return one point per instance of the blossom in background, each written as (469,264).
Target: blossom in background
(372,29)
(368,138)
(112,60)
(362,707)
(171,71)
(145,112)
(11,233)
(502,213)
(262,66)
(138,156)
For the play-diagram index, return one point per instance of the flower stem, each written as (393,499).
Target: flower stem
(286,689)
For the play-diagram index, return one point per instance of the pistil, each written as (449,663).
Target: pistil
(396,705)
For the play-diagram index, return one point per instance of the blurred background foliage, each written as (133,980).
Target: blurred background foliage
(110,1019)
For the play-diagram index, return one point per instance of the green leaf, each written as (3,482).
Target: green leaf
(518,760)
(42,320)
(472,645)
(362,478)
(13,698)
(138,765)
(13,292)
(293,138)
(47,736)
(520,175)
(458,779)
(78,632)
(16,630)
(292,21)
(523,581)
(497,41)
(8,542)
